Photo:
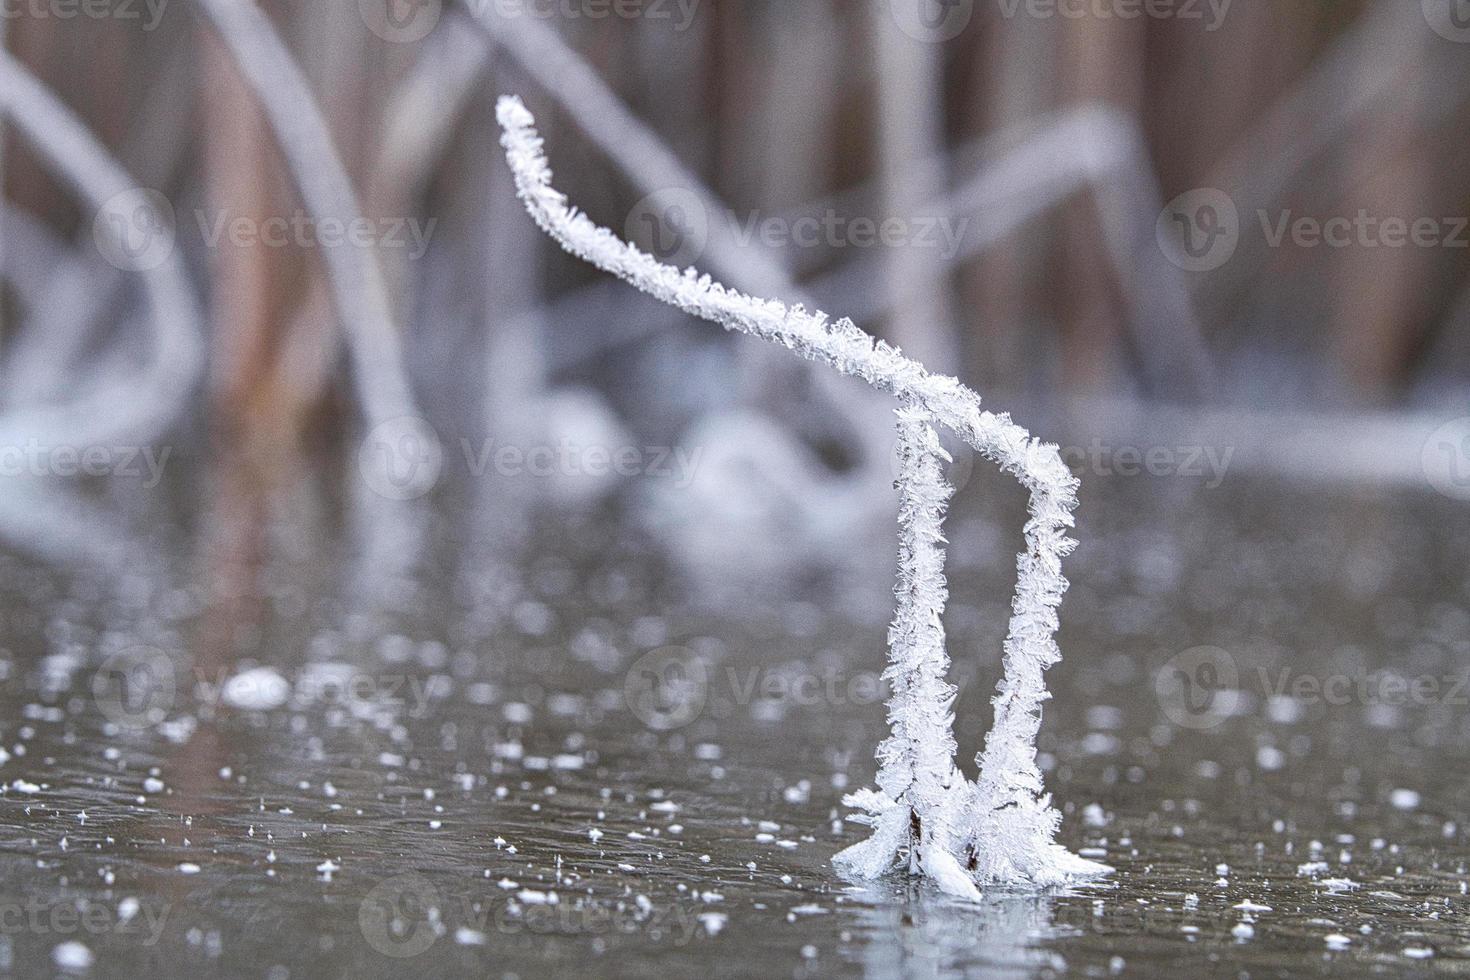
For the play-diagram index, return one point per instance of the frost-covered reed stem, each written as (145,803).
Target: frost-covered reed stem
(916,762)
(1005,833)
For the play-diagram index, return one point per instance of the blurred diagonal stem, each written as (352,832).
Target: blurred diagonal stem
(51,521)
(358,287)
(133,408)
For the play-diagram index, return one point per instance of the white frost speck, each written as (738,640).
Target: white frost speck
(257,689)
(1270,758)
(1404,799)
(1338,885)
(72,956)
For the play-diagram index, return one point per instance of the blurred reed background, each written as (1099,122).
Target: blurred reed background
(1090,210)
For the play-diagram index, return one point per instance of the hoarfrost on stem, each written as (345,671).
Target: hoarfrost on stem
(1001,829)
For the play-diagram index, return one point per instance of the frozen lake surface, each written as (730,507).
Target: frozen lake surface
(554,754)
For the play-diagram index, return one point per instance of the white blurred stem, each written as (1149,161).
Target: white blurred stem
(910,130)
(50,520)
(358,289)
(83,291)
(136,408)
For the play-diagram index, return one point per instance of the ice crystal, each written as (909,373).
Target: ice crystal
(1002,828)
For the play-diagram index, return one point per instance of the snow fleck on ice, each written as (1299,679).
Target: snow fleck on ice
(1404,799)
(72,956)
(257,689)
